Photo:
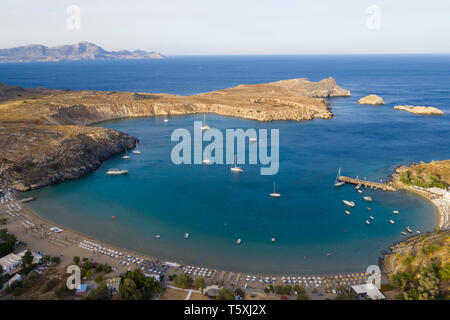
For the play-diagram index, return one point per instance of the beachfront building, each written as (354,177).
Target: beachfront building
(368,290)
(113,285)
(12,262)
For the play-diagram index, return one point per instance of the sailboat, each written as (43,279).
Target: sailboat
(338,183)
(126,156)
(204,126)
(274,193)
(137,149)
(236,168)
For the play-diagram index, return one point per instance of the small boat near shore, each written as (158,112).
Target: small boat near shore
(358,186)
(204,126)
(347,212)
(126,156)
(359,191)
(338,183)
(137,149)
(391,221)
(408,229)
(403,233)
(371,218)
(367,198)
(274,193)
(367,222)
(116,172)
(349,203)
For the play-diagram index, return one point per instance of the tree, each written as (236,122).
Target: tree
(200,283)
(402,279)
(76,260)
(99,278)
(27,258)
(225,294)
(183,281)
(99,293)
(89,274)
(7,242)
(128,290)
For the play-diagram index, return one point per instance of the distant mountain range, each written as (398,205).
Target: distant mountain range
(79,51)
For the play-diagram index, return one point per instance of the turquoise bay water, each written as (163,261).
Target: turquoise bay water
(216,207)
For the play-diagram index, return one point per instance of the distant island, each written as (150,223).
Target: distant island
(79,51)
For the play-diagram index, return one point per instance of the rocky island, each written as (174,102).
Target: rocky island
(420,110)
(78,51)
(45,138)
(371,99)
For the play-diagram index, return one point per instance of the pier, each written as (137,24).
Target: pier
(369,184)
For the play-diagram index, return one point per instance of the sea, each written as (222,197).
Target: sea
(216,207)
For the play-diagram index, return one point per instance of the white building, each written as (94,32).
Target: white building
(368,290)
(13,261)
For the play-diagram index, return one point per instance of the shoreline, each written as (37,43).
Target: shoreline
(72,243)
(443,216)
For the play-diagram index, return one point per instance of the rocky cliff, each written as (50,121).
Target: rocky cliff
(44,137)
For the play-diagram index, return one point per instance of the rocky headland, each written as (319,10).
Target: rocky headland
(45,138)
(428,111)
(371,99)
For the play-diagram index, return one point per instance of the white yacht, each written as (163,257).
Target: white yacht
(367,198)
(116,172)
(273,239)
(158,236)
(371,218)
(137,149)
(347,212)
(395,211)
(403,233)
(239,241)
(274,193)
(126,156)
(338,183)
(236,168)
(408,229)
(359,191)
(204,126)
(186,236)
(348,203)
(358,186)
(391,221)
(367,222)
(166,120)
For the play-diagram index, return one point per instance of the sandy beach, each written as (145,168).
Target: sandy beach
(35,231)
(440,198)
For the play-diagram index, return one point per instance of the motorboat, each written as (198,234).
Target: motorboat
(348,203)
(116,172)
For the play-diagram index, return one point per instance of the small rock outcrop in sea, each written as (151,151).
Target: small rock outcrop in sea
(371,99)
(428,111)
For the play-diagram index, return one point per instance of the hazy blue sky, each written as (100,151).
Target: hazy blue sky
(234,26)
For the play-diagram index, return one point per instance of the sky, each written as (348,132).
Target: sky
(217,27)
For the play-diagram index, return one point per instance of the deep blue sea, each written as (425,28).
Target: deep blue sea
(217,207)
